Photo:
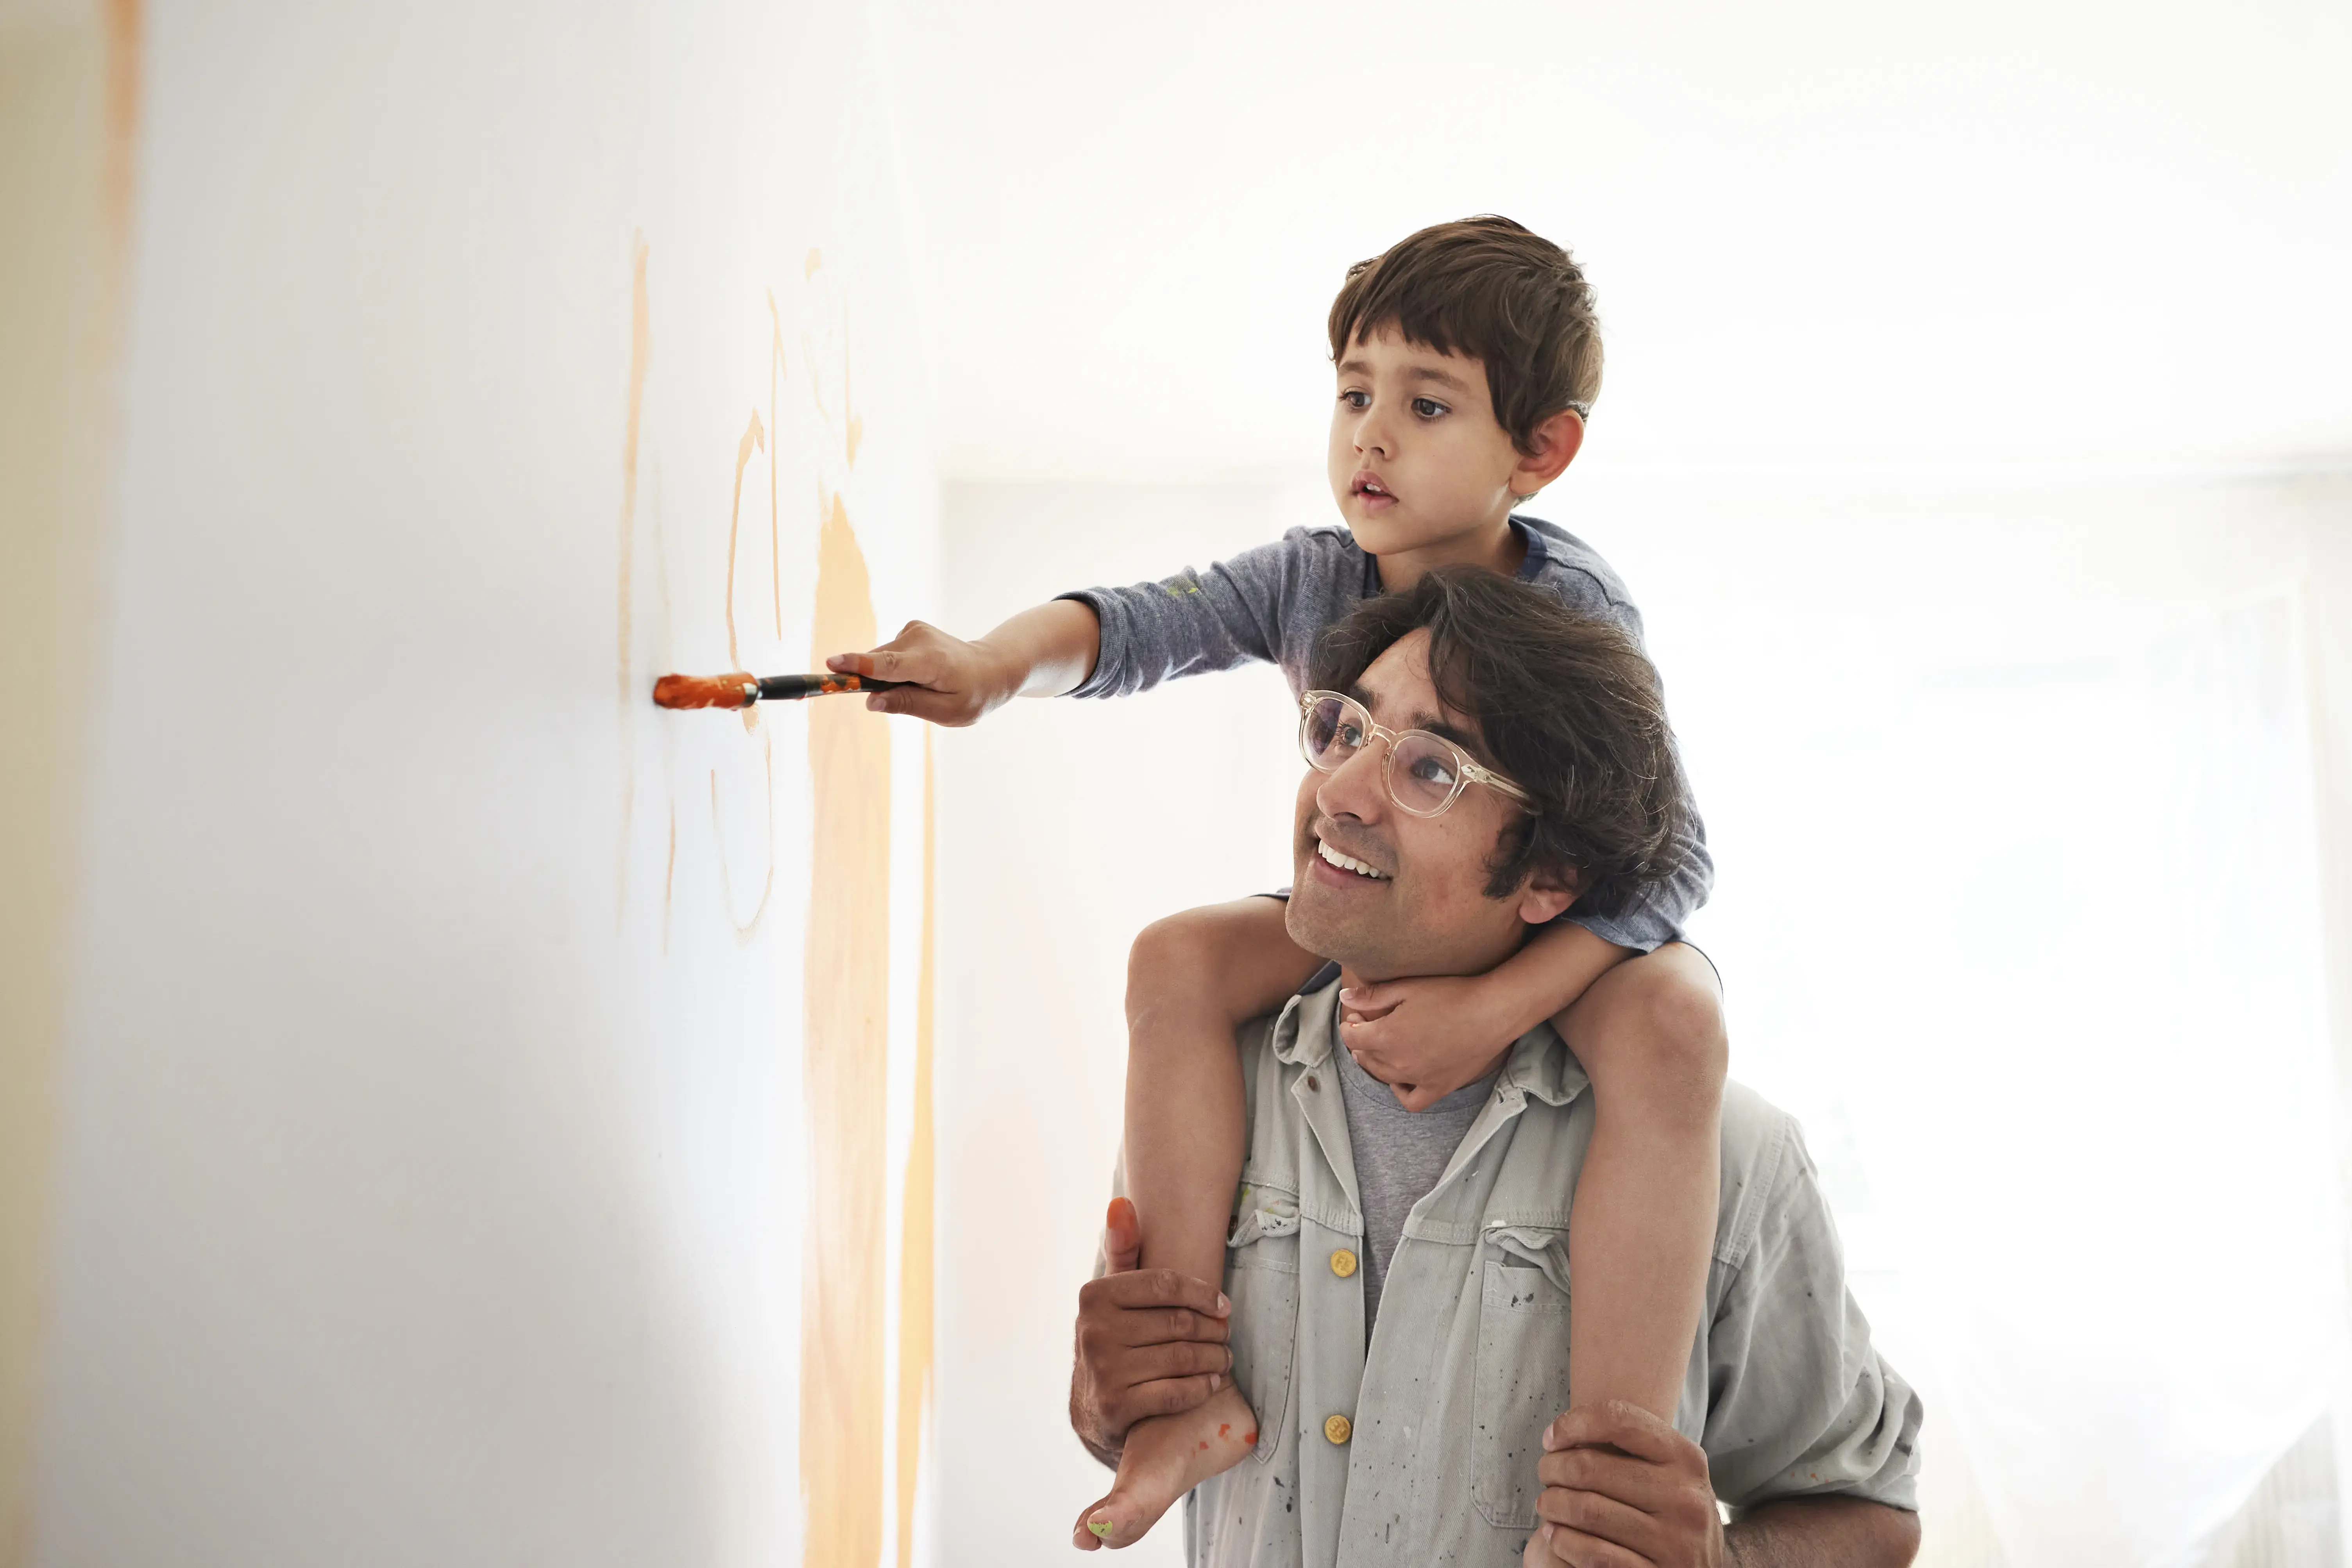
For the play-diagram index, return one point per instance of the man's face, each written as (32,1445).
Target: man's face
(1421,905)
(1416,456)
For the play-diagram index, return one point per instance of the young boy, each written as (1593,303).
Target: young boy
(1468,357)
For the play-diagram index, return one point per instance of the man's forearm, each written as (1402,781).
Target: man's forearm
(1823,1533)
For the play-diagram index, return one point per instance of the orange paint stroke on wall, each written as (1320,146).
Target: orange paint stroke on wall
(845,1084)
(754,438)
(669,876)
(640,349)
(915,1280)
(852,428)
(775,547)
(744,928)
(126,25)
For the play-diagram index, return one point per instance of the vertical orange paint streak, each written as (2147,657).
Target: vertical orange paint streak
(125,25)
(69,116)
(852,428)
(669,876)
(640,349)
(775,549)
(845,1086)
(753,438)
(744,928)
(915,1285)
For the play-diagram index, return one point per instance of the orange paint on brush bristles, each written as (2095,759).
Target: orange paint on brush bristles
(700,690)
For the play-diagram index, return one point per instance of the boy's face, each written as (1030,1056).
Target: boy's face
(1417,457)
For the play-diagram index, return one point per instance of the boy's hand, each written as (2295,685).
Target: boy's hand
(1427,1038)
(955,682)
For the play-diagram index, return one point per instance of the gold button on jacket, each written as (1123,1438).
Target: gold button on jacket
(1343,1263)
(1337,1428)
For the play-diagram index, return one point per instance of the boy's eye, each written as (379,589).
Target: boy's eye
(1428,407)
(1355,399)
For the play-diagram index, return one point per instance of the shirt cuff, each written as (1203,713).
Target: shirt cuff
(1110,646)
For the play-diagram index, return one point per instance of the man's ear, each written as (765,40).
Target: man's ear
(1546,897)
(1555,443)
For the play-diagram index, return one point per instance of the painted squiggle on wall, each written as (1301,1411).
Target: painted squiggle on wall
(853,1441)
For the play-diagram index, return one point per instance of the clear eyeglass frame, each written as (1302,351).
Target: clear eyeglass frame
(1467,770)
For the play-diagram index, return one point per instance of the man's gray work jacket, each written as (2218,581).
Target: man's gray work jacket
(1425,1451)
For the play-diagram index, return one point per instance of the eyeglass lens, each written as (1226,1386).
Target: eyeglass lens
(1422,775)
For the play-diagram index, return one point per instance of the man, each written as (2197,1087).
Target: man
(1398,1284)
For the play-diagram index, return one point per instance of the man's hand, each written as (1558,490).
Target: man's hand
(1623,1490)
(1426,1037)
(955,682)
(1150,1343)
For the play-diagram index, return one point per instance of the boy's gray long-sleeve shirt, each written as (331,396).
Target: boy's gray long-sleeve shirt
(1271,602)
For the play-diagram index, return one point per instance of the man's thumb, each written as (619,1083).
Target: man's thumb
(1122,1235)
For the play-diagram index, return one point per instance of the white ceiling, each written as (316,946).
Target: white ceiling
(1821,232)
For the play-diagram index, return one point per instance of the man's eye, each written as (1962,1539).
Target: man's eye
(1350,736)
(1434,770)
(1428,407)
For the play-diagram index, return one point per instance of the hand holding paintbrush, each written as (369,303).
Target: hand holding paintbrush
(1041,652)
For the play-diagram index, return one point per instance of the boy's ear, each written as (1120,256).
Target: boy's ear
(1555,442)
(1546,896)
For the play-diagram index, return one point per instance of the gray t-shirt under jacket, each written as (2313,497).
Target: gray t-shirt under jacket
(1270,603)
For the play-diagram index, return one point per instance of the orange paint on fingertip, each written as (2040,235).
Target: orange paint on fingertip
(1122,1211)
(700,690)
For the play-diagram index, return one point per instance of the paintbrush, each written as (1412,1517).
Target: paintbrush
(740,691)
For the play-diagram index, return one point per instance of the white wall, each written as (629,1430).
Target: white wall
(1821,232)
(433,1163)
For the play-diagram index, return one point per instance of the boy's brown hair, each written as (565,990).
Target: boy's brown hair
(1486,287)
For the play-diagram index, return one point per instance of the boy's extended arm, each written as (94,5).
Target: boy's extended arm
(1427,1038)
(1110,641)
(1041,652)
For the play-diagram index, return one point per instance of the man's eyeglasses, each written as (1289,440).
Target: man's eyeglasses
(1425,773)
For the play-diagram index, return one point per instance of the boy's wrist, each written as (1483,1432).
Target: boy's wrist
(1002,674)
(1556,968)
(1520,995)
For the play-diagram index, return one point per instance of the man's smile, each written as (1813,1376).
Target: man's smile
(1352,868)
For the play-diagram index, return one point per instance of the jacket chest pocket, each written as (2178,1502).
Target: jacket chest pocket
(1261,1280)
(1522,1377)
